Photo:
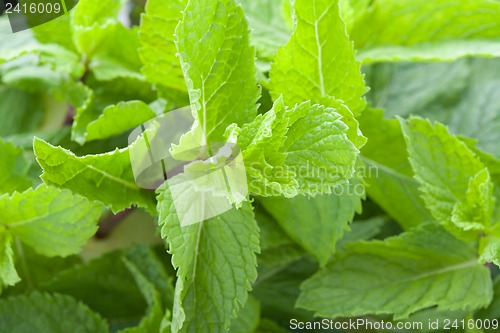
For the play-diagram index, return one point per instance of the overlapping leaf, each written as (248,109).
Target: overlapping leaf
(267,22)
(29,111)
(158,52)
(107,177)
(52,221)
(426,31)
(305,149)
(452,177)
(99,284)
(216,265)
(8,273)
(318,62)
(426,89)
(277,248)
(93,23)
(316,223)
(119,118)
(218,64)
(418,269)
(90,102)
(120,57)
(460,94)
(215,258)
(146,270)
(388,173)
(48,313)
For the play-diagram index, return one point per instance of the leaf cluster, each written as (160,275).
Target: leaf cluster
(391,108)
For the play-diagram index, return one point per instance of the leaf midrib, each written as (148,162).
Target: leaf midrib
(436,272)
(38,218)
(114,178)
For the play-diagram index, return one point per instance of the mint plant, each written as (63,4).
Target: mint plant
(339,170)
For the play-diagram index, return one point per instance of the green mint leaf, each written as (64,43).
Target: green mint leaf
(48,76)
(277,248)
(423,267)
(133,276)
(56,32)
(120,57)
(389,175)
(288,158)
(477,207)
(218,65)
(93,23)
(116,119)
(46,69)
(489,250)
(316,223)
(85,113)
(426,89)
(493,310)
(99,284)
(302,143)
(261,141)
(274,259)
(493,165)
(216,265)
(12,45)
(268,28)
(8,273)
(53,222)
(476,114)
(432,51)
(451,176)
(271,234)
(91,101)
(150,266)
(158,51)
(353,9)
(318,62)
(107,178)
(441,30)
(447,92)
(362,230)
(441,316)
(48,313)
(13,169)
